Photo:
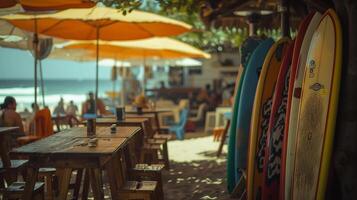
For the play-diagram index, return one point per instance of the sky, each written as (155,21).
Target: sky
(18,64)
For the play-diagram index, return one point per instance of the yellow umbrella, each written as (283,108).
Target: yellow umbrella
(45,5)
(98,23)
(158,47)
(165,48)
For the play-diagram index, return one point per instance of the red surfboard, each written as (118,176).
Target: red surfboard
(275,133)
(293,70)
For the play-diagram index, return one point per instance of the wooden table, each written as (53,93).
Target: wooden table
(156,112)
(150,117)
(68,150)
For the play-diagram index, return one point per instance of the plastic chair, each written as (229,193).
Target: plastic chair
(44,127)
(210,121)
(202,108)
(179,129)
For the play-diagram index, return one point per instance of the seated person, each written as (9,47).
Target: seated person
(10,118)
(88,108)
(72,109)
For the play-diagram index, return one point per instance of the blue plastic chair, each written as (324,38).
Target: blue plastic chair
(179,129)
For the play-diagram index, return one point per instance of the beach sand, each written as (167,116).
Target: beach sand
(196,173)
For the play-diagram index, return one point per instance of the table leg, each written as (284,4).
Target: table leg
(85,185)
(109,167)
(30,183)
(64,176)
(77,186)
(118,169)
(157,123)
(166,155)
(96,183)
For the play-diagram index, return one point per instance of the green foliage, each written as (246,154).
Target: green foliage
(209,39)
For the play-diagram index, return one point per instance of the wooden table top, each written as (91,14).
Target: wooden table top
(8,129)
(69,146)
(74,142)
(144,115)
(105,132)
(131,110)
(110,121)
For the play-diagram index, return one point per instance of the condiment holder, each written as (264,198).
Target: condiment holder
(93,142)
(113,128)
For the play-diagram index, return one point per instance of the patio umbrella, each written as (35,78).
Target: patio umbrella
(12,37)
(45,5)
(158,47)
(98,23)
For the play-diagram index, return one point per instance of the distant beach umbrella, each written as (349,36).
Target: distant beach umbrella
(157,47)
(98,23)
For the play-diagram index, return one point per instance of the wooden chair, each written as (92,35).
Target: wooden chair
(9,171)
(155,145)
(44,128)
(133,190)
(151,173)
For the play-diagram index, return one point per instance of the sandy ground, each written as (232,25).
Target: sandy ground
(196,173)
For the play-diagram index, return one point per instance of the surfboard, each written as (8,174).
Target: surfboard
(275,134)
(245,104)
(303,38)
(318,109)
(247,48)
(260,118)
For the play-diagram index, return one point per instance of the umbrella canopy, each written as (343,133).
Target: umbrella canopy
(45,5)
(158,47)
(99,23)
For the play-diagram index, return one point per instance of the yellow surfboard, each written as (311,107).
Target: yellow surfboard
(261,114)
(295,102)
(317,112)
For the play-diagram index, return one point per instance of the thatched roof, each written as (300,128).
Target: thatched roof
(223,12)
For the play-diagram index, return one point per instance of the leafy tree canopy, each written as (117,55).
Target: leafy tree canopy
(210,39)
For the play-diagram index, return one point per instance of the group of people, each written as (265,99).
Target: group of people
(88,107)
(71,108)
(9,117)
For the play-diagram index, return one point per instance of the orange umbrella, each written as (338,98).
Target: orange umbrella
(46,5)
(157,47)
(98,23)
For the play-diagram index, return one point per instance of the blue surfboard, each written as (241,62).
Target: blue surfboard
(247,49)
(245,104)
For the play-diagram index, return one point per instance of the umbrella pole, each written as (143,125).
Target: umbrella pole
(96,71)
(35,46)
(144,80)
(42,84)
(284,9)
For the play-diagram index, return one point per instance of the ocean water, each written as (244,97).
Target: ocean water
(76,90)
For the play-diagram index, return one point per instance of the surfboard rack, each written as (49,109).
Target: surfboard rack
(240,190)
